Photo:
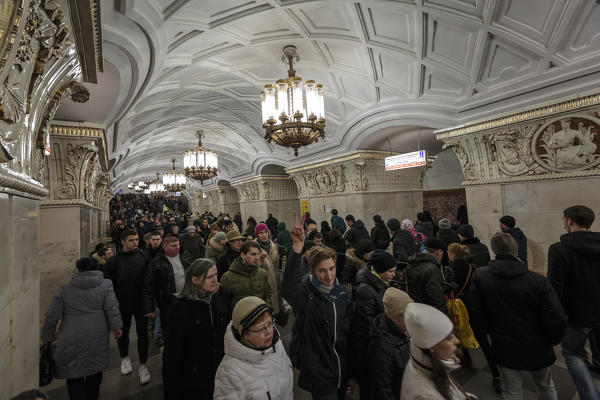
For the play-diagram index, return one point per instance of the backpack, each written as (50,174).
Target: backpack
(419,241)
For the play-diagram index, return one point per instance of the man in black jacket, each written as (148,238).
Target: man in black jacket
(356,231)
(323,309)
(165,276)
(379,234)
(522,315)
(425,277)
(192,243)
(389,347)
(480,255)
(233,245)
(403,245)
(574,271)
(127,270)
(507,225)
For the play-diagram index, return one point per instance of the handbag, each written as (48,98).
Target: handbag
(47,366)
(460,317)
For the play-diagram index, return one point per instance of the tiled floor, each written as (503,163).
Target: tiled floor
(117,387)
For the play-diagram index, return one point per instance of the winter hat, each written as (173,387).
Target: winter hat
(427,326)
(435,243)
(466,230)
(444,223)
(246,311)
(503,244)
(260,227)
(508,221)
(87,264)
(393,224)
(220,236)
(362,247)
(395,302)
(190,229)
(382,261)
(234,234)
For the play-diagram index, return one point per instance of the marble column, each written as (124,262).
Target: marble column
(268,194)
(221,199)
(72,217)
(358,184)
(532,165)
(39,67)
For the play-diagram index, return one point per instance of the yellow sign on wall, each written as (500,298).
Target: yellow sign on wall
(304,207)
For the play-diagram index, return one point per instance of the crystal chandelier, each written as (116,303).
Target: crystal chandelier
(173,181)
(157,188)
(200,164)
(298,106)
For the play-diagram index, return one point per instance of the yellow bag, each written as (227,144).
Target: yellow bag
(460,318)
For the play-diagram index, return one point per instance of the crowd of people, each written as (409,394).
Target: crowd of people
(369,308)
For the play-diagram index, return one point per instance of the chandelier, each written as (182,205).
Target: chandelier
(200,164)
(173,181)
(157,188)
(298,106)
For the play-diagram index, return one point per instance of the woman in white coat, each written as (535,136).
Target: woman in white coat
(432,356)
(255,366)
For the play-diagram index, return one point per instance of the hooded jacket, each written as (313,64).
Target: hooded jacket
(214,250)
(521,312)
(88,309)
(284,238)
(250,374)
(426,282)
(338,224)
(380,236)
(243,281)
(521,240)
(480,255)
(357,231)
(574,272)
(387,358)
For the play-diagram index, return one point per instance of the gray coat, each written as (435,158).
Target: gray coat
(88,309)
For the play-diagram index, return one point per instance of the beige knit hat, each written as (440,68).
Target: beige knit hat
(247,311)
(395,302)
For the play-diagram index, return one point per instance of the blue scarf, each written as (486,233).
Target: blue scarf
(331,292)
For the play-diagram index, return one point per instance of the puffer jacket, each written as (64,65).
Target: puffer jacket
(243,281)
(321,332)
(480,255)
(417,383)
(388,355)
(426,281)
(214,250)
(521,312)
(574,272)
(249,374)
(89,310)
(357,231)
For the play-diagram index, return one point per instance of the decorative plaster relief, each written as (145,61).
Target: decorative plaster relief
(82,173)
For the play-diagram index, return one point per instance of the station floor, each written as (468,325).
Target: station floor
(117,387)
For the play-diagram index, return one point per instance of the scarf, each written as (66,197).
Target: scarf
(266,246)
(379,277)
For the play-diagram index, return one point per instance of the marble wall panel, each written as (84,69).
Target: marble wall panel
(484,205)
(256,209)
(283,210)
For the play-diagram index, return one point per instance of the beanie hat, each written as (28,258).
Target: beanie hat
(393,224)
(260,227)
(435,243)
(503,244)
(220,236)
(382,261)
(363,246)
(466,230)
(247,311)
(87,264)
(444,223)
(427,326)
(234,235)
(190,229)
(508,221)
(395,302)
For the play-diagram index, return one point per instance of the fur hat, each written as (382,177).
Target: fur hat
(444,223)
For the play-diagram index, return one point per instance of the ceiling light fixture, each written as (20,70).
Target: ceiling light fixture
(157,188)
(200,164)
(298,106)
(173,181)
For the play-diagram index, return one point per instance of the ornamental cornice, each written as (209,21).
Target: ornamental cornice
(68,202)
(266,187)
(364,154)
(10,179)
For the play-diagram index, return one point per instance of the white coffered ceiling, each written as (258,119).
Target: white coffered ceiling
(197,64)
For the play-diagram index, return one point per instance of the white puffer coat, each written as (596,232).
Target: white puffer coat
(248,374)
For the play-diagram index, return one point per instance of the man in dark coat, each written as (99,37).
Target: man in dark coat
(403,245)
(233,245)
(574,272)
(522,315)
(507,225)
(154,248)
(127,270)
(272,222)
(389,347)
(356,232)
(192,243)
(323,309)
(480,255)
(379,234)
(425,278)
(337,222)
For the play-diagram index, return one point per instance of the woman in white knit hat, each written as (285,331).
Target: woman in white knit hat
(432,356)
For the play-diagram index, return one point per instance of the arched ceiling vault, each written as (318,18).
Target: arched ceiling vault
(200,64)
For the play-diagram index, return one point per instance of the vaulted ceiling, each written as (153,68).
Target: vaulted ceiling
(389,68)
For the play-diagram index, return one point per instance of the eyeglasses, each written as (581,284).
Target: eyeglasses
(264,329)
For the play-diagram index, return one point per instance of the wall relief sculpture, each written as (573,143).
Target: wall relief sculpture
(81,174)
(248,191)
(322,180)
(360,182)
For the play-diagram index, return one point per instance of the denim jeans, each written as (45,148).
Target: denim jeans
(512,383)
(573,349)
(157,330)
